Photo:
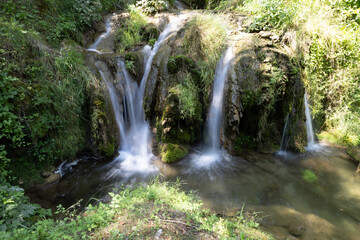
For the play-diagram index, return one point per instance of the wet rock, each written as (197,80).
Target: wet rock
(53,178)
(45,174)
(264,88)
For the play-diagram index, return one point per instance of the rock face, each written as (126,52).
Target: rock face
(104,131)
(264,87)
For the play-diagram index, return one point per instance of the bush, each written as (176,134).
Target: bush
(151,7)
(15,209)
(135,30)
(267,14)
(205,40)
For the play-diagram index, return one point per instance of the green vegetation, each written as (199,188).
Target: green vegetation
(49,98)
(55,19)
(135,30)
(16,211)
(173,152)
(151,7)
(141,212)
(43,94)
(309,176)
(326,37)
(205,40)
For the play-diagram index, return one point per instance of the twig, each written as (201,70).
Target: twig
(175,221)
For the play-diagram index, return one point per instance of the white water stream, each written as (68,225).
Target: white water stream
(93,47)
(135,155)
(213,152)
(311,143)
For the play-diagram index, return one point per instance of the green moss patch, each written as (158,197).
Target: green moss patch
(173,152)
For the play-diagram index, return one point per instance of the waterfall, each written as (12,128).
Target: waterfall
(215,113)
(212,153)
(93,47)
(284,139)
(135,154)
(309,127)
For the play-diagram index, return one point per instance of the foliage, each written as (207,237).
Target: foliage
(15,209)
(151,7)
(267,14)
(136,30)
(57,19)
(204,40)
(43,93)
(189,103)
(141,211)
(327,37)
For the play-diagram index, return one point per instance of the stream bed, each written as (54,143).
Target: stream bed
(298,196)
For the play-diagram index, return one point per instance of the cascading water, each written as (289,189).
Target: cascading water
(215,113)
(93,47)
(284,139)
(213,153)
(135,154)
(311,144)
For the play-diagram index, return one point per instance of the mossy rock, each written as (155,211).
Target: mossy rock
(133,64)
(150,32)
(243,141)
(173,152)
(108,149)
(176,63)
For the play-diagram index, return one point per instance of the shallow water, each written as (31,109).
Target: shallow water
(282,187)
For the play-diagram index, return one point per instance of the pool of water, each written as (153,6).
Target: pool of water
(298,196)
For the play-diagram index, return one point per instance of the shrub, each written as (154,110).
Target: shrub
(267,14)
(205,39)
(151,7)
(15,209)
(133,31)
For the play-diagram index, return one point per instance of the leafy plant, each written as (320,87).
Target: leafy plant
(189,102)
(151,7)
(132,33)
(268,14)
(16,211)
(205,40)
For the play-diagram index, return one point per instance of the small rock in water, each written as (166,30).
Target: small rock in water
(45,174)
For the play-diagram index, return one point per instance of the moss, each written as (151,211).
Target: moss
(181,62)
(108,149)
(184,136)
(309,176)
(173,152)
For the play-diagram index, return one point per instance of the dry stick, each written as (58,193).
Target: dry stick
(174,221)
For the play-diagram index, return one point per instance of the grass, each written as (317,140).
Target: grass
(143,212)
(205,41)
